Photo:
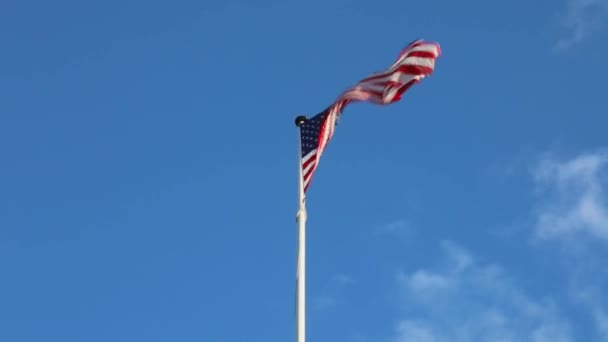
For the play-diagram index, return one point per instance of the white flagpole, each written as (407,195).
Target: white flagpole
(301,218)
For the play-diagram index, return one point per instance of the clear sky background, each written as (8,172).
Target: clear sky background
(148,172)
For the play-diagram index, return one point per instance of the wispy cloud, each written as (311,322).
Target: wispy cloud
(329,296)
(573,197)
(464,300)
(393,227)
(573,210)
(590,297)
(400,228)
(581,19)
(460,297)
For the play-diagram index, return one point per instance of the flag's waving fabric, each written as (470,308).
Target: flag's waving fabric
(415,62)
(314,135)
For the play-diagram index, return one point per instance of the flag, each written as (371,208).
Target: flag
(315,133)
(415,62)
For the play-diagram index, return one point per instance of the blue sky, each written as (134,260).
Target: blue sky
(148,179)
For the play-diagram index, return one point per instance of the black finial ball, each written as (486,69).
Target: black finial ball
(300,120)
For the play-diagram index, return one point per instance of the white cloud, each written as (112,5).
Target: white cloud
(324,302)
(408,331)
(339,281)
(591,298)
(400,227)
(463,300)
(573,210)
(574,197)
(329,296)
(423,280)
(394,226)
(581,19)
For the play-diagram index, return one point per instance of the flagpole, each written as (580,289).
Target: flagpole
(301,218)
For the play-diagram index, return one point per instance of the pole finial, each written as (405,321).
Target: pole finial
(300,120)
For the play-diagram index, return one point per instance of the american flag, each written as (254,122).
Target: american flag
(315,132)
(415,62)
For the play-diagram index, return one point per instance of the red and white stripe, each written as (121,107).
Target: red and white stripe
(309,164)
(311,160)
(415,62)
